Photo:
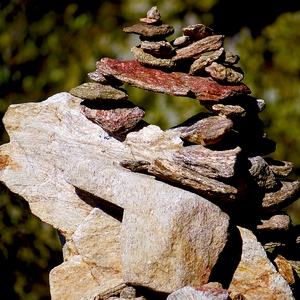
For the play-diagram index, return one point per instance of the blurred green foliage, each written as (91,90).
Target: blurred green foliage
(49,47)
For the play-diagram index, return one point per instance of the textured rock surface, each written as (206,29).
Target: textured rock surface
(174,83)
(192,293)
(255,276)
(153,210)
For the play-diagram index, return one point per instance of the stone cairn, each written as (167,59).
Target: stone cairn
(222,157)
(166,197)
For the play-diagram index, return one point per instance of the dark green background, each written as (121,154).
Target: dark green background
(48,47)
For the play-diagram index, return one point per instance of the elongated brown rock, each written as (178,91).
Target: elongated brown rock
(175,83)
(207,131)
(194,50)
(150,31)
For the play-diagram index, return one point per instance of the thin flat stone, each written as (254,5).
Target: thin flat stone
(97,91)
(207,131)
(280,168)
(147,30)
(182,41)
(149,60)
(115,121)
(224,74)
(228,111)
(206,162)
(98,77)
(289,192)
(157,48)
(175,83)
(208,187)
(276,222)
(197,32)
(194,50)
(205,60)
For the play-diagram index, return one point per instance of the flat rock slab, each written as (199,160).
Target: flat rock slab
(175,83)
(150,31)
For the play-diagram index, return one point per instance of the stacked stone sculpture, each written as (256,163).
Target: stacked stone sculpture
(192,212)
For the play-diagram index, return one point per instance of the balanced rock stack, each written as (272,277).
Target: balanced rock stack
(192,212)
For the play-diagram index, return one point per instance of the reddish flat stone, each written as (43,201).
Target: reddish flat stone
(175,83)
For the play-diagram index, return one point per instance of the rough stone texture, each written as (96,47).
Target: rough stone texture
(182,41)
(197,32)
(194,50)
(286,195)
(46,172)
(150,31)
(115,120)
(255,276)
(276,222)
(280,168)
(285,269)
(157,48)
(97,240)
(153,13)
(94,91)
(150,60)
(207,131)
(175,83)
(224,74)
(98,77)
(229,111)
(231,58)
(202,293)
(205,60)
(262,173)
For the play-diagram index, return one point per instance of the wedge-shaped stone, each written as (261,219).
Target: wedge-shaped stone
(255,276)
(207,131)
(175,83)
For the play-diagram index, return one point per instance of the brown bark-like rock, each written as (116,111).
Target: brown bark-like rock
(150,31)
(197,32)
(175,83)
(157,48)
(207,131)
(194,50)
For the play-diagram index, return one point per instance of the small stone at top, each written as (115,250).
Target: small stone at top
(153,16)
(153,13)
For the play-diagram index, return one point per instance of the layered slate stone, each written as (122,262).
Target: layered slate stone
(195,50)
(150,31)
(175,83)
